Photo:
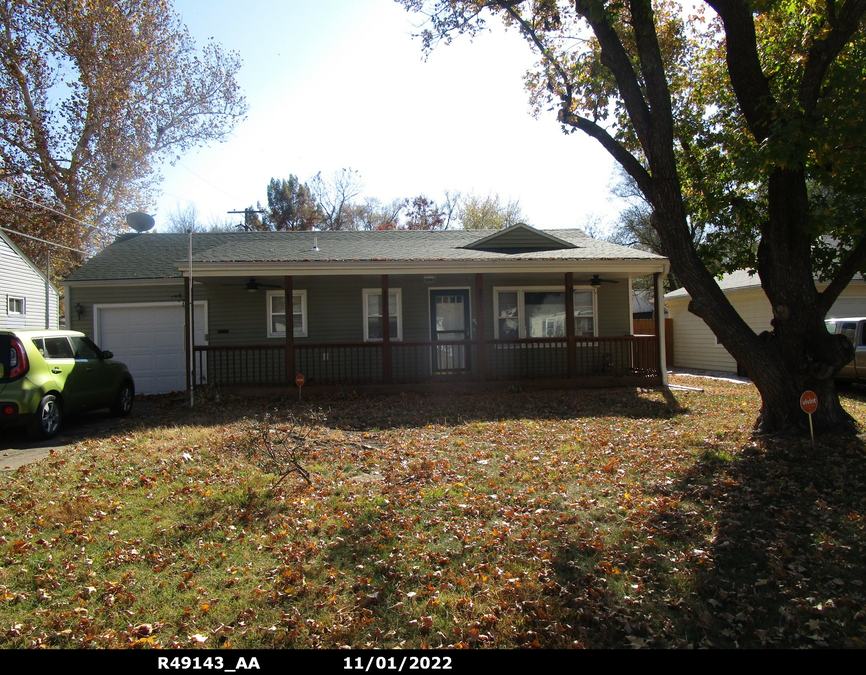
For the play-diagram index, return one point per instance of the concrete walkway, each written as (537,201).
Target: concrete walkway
(709,375)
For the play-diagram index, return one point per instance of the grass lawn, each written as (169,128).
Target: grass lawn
(556,519)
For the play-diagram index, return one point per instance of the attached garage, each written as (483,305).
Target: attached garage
(149,339)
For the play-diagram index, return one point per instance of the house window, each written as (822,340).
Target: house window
(373,314)
(277,314)
(540,313)
(16,306)
(584,313)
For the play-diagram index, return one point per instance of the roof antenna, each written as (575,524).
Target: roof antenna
(316,242)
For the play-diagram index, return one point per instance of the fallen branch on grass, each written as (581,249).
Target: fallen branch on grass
(280,449)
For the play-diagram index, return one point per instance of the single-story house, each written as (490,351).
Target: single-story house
(29,299)
(460,306)
(697,347)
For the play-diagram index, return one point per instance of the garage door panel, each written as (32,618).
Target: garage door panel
(150,341)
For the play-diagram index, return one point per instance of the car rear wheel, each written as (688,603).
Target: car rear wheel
(48,417)
(122,405)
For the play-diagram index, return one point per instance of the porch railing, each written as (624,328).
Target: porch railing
(359,363)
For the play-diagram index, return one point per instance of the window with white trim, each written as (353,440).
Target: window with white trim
(277,313)
(540,313)
(373,314)
(16,306)
(584,313)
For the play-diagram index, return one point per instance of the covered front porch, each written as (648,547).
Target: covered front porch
(439,330)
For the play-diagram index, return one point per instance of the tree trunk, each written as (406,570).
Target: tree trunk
(798,354)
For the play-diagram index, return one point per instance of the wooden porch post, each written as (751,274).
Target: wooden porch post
(569,324)
(386,331)
(479,327)
(290,332)
(659,314)
(186,333)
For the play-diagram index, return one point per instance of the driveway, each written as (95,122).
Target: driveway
(17,449)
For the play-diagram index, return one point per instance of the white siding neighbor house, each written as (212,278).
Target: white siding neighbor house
(24,292)
(697,347)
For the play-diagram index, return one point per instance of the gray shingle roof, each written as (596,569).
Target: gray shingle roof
(742,280)
(735,281)
(156,256)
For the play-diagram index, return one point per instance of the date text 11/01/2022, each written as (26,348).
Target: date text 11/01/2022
(399,664)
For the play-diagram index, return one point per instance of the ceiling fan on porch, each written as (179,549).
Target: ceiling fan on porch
(252,285)
(597,281)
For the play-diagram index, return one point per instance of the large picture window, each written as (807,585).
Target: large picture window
(373,314)
(277,313)
(540,313)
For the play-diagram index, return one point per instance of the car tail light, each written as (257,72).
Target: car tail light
(10,409)
(18,364)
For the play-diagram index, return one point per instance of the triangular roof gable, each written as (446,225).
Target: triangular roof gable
(519,238)
(25,258)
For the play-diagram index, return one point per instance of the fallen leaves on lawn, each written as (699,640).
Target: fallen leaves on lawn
(565,519)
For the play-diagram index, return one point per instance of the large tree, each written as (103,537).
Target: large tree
(742,119)
(334,195)
(291,205)
(95,94)
(488,212)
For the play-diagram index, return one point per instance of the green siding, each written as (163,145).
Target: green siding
(613,305)
(118,293)
(335,305)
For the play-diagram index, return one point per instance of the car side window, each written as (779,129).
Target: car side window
(849,330)
(58,348)
(84,348)
(40,345)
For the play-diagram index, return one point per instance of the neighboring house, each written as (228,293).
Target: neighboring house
(461,306)
(643,303)
(697,347)
(29,300)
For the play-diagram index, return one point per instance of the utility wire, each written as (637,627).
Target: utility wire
(181,164)
(12,192)
(44,241)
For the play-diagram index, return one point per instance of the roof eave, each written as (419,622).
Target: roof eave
(626,267)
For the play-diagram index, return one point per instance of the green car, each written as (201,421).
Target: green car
(47,374)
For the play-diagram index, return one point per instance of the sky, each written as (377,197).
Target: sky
(335,84)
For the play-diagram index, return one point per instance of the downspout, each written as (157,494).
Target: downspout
(47,288)
(190,318)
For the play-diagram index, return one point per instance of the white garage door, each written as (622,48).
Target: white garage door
(149,340)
